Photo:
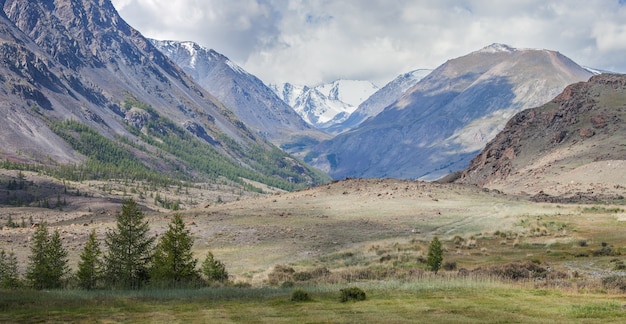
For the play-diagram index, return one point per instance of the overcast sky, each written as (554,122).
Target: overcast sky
(310,42)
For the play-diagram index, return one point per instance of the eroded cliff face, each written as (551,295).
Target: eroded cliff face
(539,147)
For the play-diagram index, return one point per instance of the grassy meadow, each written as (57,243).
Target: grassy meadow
(506,259)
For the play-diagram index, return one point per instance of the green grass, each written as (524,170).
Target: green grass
(437,300)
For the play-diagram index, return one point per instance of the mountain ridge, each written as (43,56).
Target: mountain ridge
(78,61)
(573,146)
(439,124)
(243,93)
(325,105)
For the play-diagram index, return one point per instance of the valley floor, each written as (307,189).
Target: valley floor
(370,233)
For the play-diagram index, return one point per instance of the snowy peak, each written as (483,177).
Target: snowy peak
(352,92)
(382,98)
(257,106)
(187,55)
(328,104)
(497,48)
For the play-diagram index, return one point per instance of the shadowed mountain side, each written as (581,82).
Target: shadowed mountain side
(573,146)
(441,122)
(252,101)
(382,98)
(78,62)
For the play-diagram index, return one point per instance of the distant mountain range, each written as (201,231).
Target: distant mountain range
(573,147)
(326,105)
(444,120)
(86,94)
(378,101)
(248,97)
(82,88)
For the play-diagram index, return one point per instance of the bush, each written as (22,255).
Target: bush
(614,282)
(352,293)
(449,265)
(281,273)
(300,295)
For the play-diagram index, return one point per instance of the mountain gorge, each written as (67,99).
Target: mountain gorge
(75,73)
(440,123)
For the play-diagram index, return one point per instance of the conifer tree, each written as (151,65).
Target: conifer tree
(129,249)
(48,260)
(9,274)
(90,265)
(435,255)
(173,260)
(213,269)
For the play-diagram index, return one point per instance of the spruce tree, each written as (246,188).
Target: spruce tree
(173,261)
(435,255)
(9,274)
(90,265)
(48,260)
(213,269)
(129,249)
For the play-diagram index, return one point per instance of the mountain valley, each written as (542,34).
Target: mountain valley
(514,160)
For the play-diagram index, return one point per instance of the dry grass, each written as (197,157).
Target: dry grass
(370,220)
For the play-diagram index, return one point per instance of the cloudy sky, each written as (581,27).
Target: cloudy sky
(315,41)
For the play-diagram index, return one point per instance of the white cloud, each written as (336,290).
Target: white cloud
(317,41)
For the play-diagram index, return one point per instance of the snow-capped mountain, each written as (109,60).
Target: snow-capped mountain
(440,123)
(382,98)
(248,97)
(328,104)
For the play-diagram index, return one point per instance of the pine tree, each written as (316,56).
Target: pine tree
(9,274)
(48,260)
(173,260)
(90,265)
(213,269)
(129,249)
(435,255)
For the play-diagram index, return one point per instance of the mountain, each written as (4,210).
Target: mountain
(444,120)
(382,98)
(243,93)
(82,89)
(572,147)
(328,104)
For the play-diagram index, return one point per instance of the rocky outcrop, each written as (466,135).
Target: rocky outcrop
(584,124)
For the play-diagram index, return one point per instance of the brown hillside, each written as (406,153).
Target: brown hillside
(573,147)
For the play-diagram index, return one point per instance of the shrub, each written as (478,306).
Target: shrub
(582,243)
(614,282)
(352,293)
(515,271)
(449,265)
(281,273)
(287,284)
(603,251)
(300,295)
(618,264)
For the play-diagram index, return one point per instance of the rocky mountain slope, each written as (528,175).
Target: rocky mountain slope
(382,98)
(439,124)
(241,92)
(79,62)
(326,105)
(573,147)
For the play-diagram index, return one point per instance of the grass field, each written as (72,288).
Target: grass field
(373,234)
(429,301)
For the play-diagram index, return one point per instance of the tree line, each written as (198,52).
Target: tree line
(131,259)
